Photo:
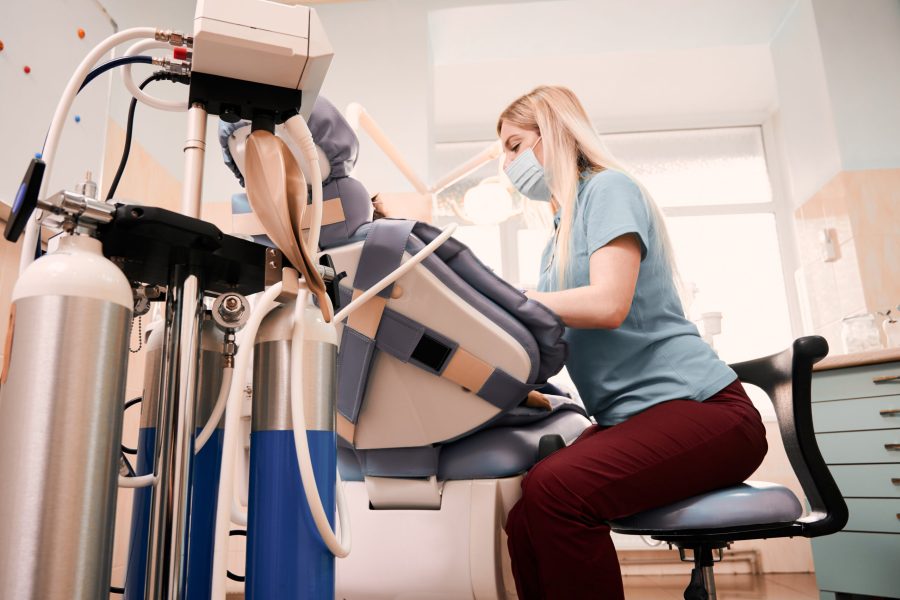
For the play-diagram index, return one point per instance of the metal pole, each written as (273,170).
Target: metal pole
(170,510)
(194,150)
(710,582)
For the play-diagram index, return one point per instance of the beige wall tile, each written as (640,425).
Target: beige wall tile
(874,202)
(832,333)
(821,287)
(145,181)
(848,281)
(219,214)
(810,220)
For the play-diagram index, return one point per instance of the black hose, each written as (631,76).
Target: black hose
(158,76)
(112,64)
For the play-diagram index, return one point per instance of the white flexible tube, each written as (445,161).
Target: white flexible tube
(397,273)
(231,438)
(299,132)
(170,105)
(340,548)
(218,411)
(138,481)
(32,230)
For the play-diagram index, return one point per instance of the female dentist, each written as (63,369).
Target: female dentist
(673,421)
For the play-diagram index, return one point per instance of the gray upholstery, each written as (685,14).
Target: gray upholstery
(496,451)
(750,503)
(505,451)
(544,325)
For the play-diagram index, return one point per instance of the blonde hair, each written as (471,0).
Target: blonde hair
(572,146)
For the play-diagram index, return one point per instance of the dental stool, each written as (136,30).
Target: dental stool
(708,523)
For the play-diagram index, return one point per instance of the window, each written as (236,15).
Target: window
(713,185)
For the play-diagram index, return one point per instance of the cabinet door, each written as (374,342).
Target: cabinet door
(881,412)
(875,515)
(867,481)
(856,382)
(858,563)
(860,447)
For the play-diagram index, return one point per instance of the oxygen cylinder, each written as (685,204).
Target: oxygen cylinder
(207,463)
(140,507)
(61,406)
(286,557)
(205,470)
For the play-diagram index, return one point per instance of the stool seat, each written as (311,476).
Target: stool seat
(740,506)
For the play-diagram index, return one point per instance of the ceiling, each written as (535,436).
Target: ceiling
(520,30)
(643,64)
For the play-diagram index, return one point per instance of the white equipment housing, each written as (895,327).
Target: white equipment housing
(258,41)
(457,552)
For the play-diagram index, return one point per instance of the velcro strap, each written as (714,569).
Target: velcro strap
(381,253)
(414,343)
(366,318)
(467,370)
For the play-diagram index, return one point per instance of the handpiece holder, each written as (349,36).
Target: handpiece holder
(26,200)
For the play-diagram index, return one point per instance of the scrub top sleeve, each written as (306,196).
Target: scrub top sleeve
(613,207)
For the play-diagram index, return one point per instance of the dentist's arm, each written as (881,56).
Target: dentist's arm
(604,303)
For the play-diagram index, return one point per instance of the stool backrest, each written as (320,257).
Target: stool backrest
(787,379)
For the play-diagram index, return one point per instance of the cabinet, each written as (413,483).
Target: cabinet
(856,415)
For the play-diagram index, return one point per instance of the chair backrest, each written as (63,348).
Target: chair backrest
(787,379)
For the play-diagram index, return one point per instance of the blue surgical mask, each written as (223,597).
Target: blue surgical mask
(527,175)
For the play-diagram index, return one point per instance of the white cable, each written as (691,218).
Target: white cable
(138,481)
(60,116)
(397,273)
(299,132)
(231,438)
(170,105)
(218,411)
(339,548)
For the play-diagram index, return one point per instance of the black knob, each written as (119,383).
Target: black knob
(550,443)
(25,201)
(230,113)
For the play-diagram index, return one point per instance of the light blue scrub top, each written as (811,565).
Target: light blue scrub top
(656,354)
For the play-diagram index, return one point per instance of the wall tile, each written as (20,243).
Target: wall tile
(874,203)
(821,288)
(848,281)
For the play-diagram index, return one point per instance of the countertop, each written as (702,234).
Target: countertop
(872,357)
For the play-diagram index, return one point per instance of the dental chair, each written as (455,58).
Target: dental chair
(708,523)
(432,373)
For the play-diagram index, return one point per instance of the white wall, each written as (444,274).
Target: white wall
(382,60)
(861,51)
(47,42)
(622,91)
(804,113)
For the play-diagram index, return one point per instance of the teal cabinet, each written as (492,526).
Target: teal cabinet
(856,415)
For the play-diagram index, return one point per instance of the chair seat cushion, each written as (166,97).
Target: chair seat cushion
(506,451)
(506,447)
(745,505)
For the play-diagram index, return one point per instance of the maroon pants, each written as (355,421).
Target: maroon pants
(558,537)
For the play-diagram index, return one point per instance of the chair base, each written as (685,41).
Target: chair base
(457,550)
(703,583)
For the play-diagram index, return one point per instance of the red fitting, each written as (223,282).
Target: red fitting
(180,53)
